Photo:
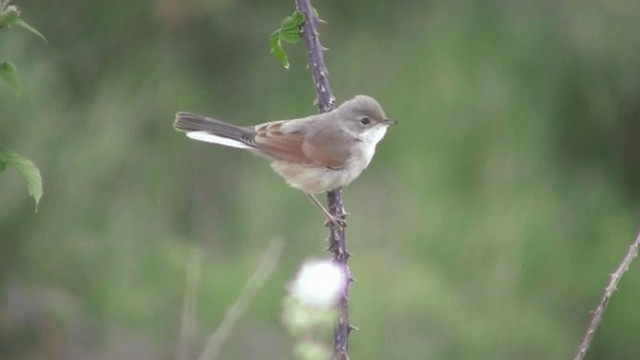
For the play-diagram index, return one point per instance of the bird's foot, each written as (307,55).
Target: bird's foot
(338,221)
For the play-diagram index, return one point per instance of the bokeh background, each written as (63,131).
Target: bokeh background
(485,228)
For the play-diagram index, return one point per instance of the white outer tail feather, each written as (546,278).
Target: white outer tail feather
(214,139)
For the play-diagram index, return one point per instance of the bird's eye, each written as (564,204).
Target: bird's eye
(365,121)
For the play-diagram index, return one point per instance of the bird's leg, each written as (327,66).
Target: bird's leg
(330,218)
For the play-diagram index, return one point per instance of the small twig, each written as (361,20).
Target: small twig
(608,292)
(326,102)
(263,271)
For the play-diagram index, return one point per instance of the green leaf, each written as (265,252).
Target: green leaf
(27,169)
(290,27)
(8,16)
(11,17)
(277,51)
(24,25)
(289,31)
(9,73)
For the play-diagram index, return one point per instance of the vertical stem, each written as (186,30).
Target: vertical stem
(326,102)
(309,32)
(338,246)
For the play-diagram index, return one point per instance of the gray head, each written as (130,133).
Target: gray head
(363,113)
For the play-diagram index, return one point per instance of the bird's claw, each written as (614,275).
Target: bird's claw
(336,221)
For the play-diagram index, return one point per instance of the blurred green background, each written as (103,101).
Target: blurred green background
(485,228)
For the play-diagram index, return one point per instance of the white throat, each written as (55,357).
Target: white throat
(374,135)
(369,141)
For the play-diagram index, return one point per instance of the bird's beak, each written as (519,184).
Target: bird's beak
(390,121)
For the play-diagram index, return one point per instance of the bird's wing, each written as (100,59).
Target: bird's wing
(292,145)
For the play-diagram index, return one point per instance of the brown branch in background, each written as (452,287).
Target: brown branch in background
(608,292)
(326,102)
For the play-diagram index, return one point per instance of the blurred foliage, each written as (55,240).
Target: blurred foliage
(26,168)
(10,17)
(484,229)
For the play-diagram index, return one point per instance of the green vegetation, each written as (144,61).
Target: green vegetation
(10,17)
(289,31)
(485,227)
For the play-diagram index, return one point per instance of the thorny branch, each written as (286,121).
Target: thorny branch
(325,103)
(614,278)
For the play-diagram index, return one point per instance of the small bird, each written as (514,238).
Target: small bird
(315,154)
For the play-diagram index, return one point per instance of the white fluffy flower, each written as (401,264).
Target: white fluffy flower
(319,283)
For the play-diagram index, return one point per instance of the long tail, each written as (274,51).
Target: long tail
(202,128)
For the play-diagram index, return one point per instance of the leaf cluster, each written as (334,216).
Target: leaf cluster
(10,17)
(289,31)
